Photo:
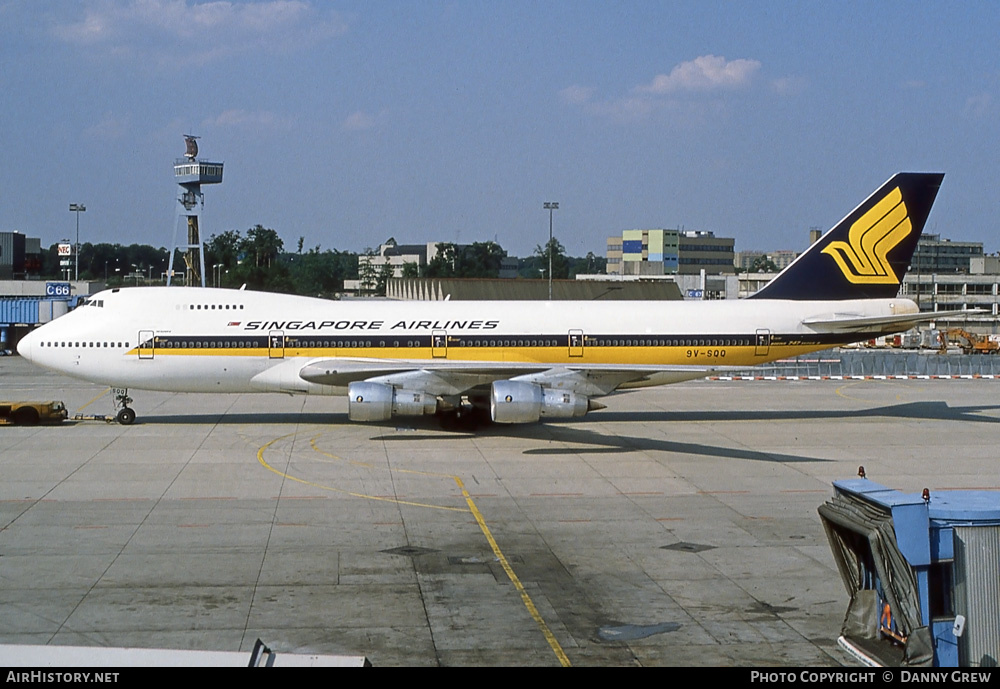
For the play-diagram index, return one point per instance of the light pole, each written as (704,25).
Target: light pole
(77,208)
(550,206)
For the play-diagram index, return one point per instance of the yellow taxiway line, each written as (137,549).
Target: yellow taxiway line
(472,508)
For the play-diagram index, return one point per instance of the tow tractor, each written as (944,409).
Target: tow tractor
(32,413)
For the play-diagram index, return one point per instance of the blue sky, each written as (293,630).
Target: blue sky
(349,122)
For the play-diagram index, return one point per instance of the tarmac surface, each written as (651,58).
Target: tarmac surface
(676,527)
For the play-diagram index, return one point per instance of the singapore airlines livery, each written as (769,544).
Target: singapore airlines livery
(522,361)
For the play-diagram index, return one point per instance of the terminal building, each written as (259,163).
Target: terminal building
(27,304)
(20,256)
(748,261)
(24,302)
(937,255)
(419,256)
(398,255)
(670,252)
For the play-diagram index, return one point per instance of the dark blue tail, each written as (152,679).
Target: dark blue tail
(865,255)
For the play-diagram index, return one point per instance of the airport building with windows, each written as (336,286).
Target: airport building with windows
(669,252)
(398,255)
(419,255)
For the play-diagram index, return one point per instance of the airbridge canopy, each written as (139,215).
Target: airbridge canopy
(922,572)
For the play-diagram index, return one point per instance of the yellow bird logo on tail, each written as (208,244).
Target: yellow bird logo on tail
(863,259)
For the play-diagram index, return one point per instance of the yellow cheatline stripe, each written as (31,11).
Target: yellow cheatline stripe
(260,458)
(649,355)
(99,396)
(525,598)
(528,603)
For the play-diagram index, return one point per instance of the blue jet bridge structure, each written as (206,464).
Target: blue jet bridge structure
(923,573)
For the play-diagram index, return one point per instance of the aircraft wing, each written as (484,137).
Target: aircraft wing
(847,323)
(457,377)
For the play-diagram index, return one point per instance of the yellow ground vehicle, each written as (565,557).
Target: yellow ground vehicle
(32,413)
(971,343)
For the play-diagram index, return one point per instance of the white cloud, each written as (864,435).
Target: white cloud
(182,32)
(705,73)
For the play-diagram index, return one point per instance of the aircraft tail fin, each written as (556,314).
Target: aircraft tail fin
(865,255)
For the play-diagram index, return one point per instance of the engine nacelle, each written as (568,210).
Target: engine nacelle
(518,402)
(379,402)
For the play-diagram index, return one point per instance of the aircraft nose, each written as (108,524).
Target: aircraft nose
(25,346)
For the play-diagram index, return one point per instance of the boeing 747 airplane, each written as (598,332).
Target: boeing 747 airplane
(521,361)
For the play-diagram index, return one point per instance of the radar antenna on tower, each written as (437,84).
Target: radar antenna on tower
(191,142)
(190,174)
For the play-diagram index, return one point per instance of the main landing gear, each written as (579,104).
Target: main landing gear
(125,415)
(464,417)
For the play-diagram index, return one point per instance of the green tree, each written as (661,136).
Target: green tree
(762,264)
(444,262)
(560,266)
(476,260)
(263,244)
(382,281)
(367,272)
(482,260)
(257,265)
(322,273)
(224,248)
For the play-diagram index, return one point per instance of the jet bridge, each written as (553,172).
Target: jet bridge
(922,571)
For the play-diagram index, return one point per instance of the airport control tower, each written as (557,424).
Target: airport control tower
(190,174)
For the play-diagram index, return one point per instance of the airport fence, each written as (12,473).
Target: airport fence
(866,362)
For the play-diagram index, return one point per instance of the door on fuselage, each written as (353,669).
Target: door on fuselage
(439,344)
(762,344)
(576,343)
(276,345)
(147,344)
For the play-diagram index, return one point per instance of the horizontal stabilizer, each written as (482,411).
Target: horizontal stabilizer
(848,323)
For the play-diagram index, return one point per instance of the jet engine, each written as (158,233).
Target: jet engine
(518,402)
(379,402)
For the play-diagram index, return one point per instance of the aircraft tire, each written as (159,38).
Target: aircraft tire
(464,419)
(25,416)
(126,416)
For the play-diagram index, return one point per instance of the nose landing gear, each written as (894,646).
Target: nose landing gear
(125,415)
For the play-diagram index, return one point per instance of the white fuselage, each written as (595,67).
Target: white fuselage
(217,340)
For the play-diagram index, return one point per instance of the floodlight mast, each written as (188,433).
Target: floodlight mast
(77,208)
(550,206)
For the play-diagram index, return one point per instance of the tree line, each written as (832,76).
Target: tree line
(259,260)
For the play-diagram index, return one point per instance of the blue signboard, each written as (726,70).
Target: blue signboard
(57,289)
